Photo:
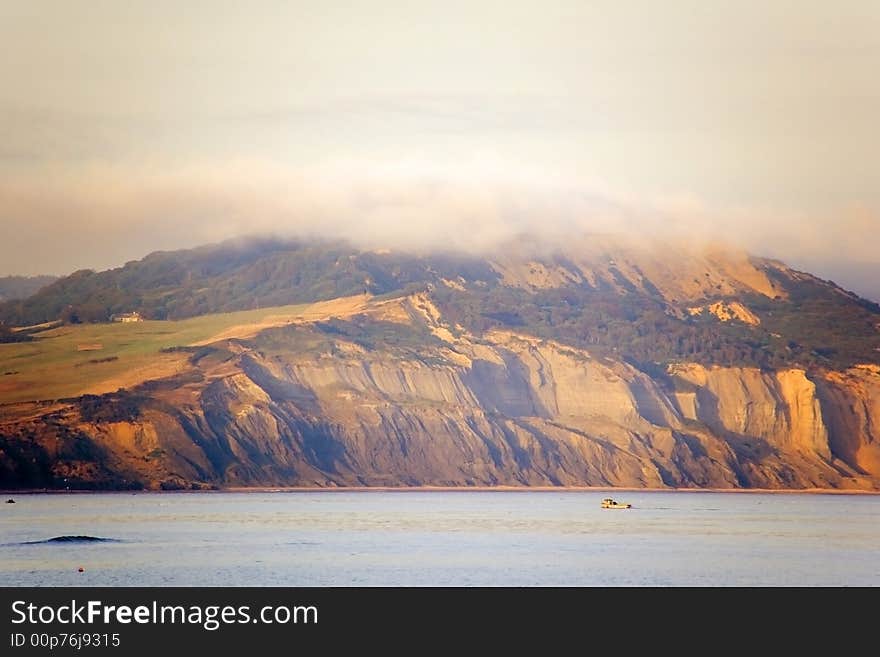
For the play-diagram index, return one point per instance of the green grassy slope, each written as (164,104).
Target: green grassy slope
(60,362)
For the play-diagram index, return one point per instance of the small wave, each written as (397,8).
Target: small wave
(71,539)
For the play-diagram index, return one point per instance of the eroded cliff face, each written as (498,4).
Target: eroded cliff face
(780,408)
(502,409)
(850,403)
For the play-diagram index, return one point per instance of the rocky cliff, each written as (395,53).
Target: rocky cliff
(397,395)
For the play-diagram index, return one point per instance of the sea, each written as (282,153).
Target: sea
(440,538)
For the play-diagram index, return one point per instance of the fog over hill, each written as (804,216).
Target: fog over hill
(410,206)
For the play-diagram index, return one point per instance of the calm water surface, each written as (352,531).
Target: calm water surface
(441,538)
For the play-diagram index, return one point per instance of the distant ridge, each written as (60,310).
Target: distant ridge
(21,287)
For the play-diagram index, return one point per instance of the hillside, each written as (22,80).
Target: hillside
(237,275)
(650,303)
(608,364)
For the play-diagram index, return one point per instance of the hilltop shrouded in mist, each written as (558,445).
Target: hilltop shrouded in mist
(131,127)
(480,211)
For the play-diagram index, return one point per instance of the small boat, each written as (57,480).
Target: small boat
(10,501)
(608,503)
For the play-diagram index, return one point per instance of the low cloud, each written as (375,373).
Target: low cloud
(102,217)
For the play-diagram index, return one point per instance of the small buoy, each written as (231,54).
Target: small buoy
(81,569)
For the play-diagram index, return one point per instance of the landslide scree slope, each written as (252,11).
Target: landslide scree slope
(607,363)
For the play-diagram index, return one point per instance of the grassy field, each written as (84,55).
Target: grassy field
(96,358)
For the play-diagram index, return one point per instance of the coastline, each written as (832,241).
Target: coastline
(446,489)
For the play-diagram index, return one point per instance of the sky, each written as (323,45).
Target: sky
(129,127)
